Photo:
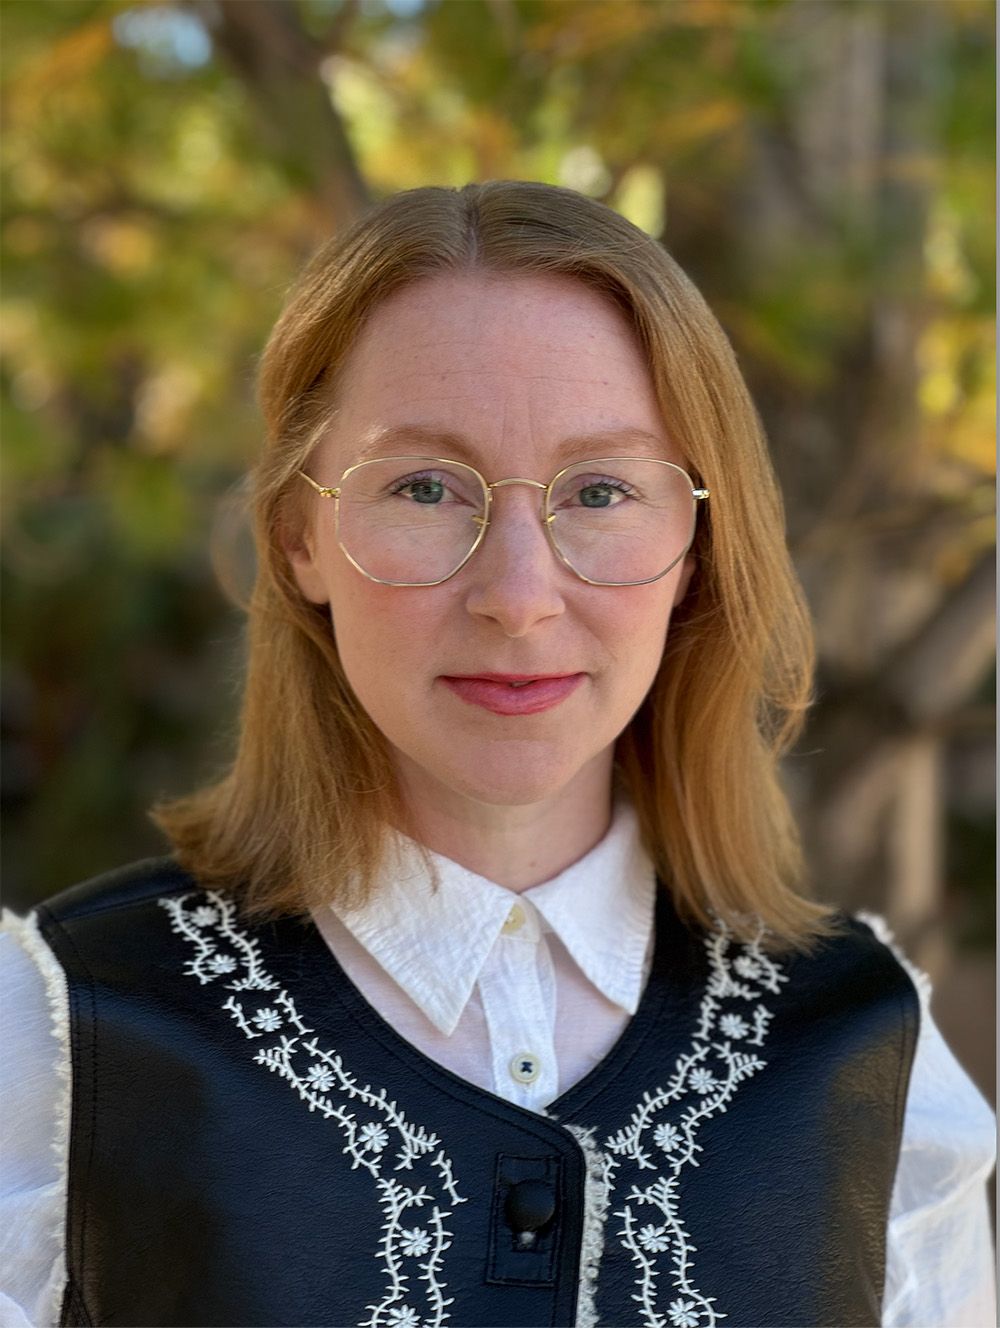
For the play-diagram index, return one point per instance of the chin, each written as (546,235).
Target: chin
(517,775)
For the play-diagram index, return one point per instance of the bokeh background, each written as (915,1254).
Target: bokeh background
(822,168)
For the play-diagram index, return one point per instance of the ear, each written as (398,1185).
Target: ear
(300,549)
(687,571)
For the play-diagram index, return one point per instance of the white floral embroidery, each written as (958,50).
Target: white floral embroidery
(401,1316)
(667,1136)
(683,1314)
(722,1054)
(318,1075)
(414,1243)
(654,1238)
(268,1021)
(372,1137)
(733,1026)
(702,1080)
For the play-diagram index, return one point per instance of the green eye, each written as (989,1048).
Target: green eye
(596,495)
(427,491)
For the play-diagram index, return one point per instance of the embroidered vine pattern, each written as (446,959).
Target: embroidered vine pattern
(661,1134)
(414,1236)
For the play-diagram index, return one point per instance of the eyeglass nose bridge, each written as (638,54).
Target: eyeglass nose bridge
(502,484)
(484,520)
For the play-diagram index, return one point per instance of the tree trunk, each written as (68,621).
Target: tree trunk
(279,66)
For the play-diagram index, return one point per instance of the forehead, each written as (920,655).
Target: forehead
(486,367)
(525,311)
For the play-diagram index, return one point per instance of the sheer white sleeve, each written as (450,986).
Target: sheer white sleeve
(939,1264)
(35,1089)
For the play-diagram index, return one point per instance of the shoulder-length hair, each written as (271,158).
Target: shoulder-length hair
(303,814)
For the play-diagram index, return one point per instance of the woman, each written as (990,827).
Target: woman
(525,639)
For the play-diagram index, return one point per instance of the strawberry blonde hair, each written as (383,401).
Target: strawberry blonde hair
(302,815)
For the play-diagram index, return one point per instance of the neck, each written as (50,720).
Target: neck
(516,846)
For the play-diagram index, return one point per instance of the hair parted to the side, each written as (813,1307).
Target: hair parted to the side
(303,814)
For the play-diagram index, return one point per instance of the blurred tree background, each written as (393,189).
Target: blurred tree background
(822,168)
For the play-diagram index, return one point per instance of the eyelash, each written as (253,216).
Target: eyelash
(416,478)
(597,481)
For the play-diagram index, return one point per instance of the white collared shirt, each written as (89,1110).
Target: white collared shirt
(522,995)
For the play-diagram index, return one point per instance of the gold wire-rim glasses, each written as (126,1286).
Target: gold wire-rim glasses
(334,492)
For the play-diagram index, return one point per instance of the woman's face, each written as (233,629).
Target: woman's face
(497,371)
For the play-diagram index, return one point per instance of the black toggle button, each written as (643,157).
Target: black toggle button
(530,1204)
(524,1244)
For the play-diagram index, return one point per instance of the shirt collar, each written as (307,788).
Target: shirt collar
(433,942)
(601,909)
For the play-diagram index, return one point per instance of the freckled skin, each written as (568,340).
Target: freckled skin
(515,365)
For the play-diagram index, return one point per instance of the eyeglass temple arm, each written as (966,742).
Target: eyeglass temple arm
(699,494)
(320,489)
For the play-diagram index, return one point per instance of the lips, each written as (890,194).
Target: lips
(514,693)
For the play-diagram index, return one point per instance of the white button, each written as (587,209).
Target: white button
(525,1068)
(514,922)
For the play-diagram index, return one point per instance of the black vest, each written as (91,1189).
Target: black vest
(252,1144)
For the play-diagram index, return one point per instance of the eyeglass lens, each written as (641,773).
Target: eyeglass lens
(412,521)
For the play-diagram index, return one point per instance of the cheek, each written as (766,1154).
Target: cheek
(381,631)
(637,637)
(643,619)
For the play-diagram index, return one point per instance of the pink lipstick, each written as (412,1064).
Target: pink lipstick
(514,693)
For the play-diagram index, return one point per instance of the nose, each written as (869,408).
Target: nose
(515,578)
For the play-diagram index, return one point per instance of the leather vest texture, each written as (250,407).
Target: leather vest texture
(251,1144)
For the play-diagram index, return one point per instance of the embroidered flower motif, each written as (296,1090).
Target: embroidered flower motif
(372,1137)
(667,1136)
(683,1314)
(714,1068)
(747,967)
(702,1080)
(209,923)
(320,1077)
(267,1020)
(401,1316)
(654,1239)
(733,1026)
(415,1242)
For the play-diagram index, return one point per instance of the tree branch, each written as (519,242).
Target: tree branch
(279,65)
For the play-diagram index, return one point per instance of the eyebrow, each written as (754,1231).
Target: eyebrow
(387,440)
